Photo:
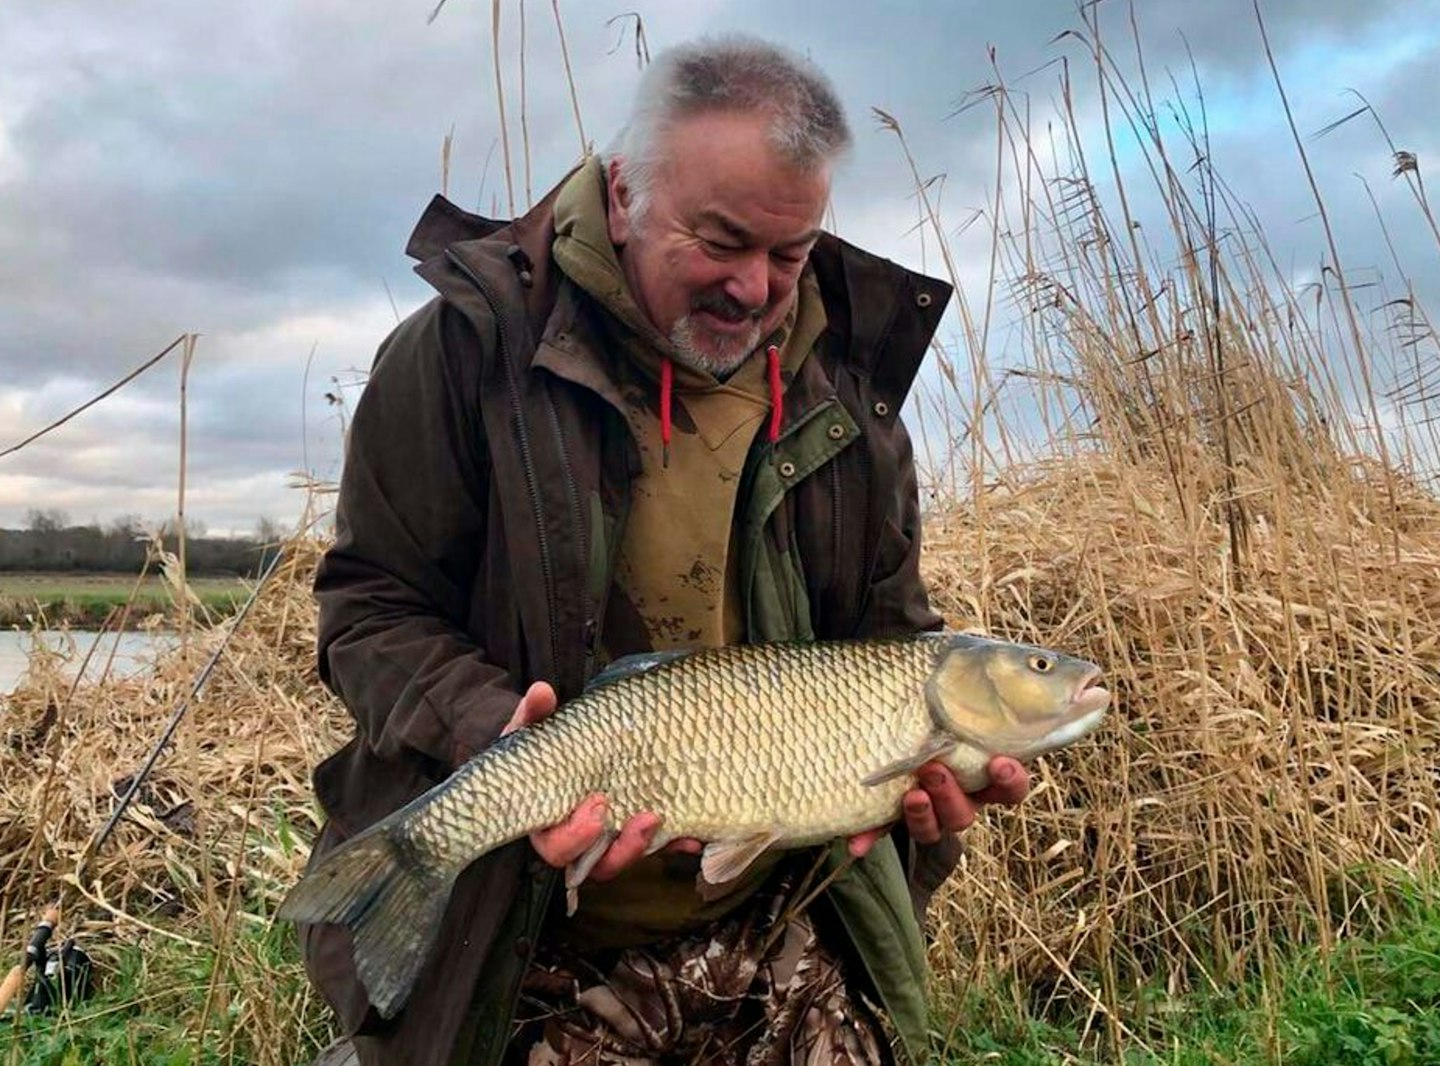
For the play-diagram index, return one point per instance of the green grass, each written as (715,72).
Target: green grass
(85,599)
(1374,1002)
(150,1009)
(226,989)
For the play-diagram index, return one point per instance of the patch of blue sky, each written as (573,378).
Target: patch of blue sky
(1238,103)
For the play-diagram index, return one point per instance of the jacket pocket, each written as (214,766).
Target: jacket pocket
(894,600)
(891,551)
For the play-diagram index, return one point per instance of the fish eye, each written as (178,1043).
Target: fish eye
(1041,664)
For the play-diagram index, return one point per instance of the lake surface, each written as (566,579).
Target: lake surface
(136,651)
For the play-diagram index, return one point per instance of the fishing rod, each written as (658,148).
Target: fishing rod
(168,734)
(37,952)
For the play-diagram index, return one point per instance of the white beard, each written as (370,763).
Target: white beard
(721,357)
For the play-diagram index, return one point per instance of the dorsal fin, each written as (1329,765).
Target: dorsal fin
(631,665)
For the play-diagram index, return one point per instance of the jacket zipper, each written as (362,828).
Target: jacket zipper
(547,571)
(572,496)
(837,531)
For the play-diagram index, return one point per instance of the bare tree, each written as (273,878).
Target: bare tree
(268,531)
(49,520)
(128,525)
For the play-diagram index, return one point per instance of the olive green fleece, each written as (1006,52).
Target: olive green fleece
(677,572)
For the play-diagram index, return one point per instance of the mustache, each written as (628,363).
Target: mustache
(726,307)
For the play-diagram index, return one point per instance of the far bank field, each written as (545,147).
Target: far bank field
(84,600)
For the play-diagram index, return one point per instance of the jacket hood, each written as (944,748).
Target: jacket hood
(583,250)
(885,314)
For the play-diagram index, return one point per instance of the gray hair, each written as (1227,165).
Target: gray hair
(731,73)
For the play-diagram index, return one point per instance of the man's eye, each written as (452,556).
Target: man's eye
(716,248)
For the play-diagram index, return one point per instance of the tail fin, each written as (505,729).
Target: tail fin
(391,905)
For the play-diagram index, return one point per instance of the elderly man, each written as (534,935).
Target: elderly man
(660,410)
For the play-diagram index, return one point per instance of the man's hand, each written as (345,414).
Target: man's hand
(562,844)
(939,806)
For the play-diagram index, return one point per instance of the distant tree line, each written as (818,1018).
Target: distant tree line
(50,542)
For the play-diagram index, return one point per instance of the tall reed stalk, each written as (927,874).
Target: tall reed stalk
(1210,506)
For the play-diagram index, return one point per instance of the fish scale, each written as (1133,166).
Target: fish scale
(724,772)
(743,747)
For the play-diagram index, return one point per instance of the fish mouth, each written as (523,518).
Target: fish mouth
(1089,698)
(1088,701)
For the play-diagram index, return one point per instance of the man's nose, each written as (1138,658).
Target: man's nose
(749,283)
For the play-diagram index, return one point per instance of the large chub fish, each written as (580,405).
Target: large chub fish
(746,747)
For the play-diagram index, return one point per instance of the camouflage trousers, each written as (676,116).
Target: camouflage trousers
(754,990)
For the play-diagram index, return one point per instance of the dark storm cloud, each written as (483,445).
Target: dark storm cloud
(170,183)
(252,174)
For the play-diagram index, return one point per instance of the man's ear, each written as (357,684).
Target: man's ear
(618,216)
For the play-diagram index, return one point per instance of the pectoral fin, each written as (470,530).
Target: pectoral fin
(579,870)
(725,860)
(936,745)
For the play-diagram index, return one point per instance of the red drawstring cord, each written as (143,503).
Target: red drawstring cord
(667,385)
(667,389)
(777,396)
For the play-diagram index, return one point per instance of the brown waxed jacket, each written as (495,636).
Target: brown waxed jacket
(485,484)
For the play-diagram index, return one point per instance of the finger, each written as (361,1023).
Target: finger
(633,842)
(538,703)
(954,811)
(562,844)
(684,846)
(921,821)
(1009,783)
(861,843)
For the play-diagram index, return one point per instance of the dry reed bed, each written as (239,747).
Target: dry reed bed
(1273,747)
(220,803)
(1226,524)
(1274,739)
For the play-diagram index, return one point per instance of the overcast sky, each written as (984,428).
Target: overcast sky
(250,173)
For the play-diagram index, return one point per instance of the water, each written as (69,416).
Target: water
(136,652)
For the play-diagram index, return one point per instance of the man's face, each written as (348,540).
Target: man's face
(715,259)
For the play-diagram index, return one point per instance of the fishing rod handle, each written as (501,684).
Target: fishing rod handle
(11,986)
(34,952)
